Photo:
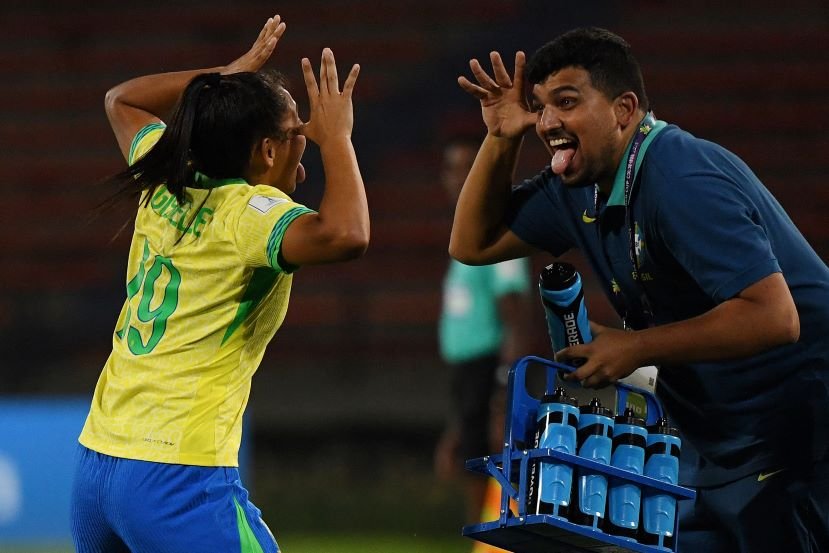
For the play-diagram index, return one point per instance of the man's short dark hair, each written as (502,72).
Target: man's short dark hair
(604,55)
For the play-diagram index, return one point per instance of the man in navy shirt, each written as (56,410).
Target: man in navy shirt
(713,280)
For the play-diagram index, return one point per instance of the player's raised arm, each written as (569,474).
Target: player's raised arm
(133,104)
(340,230)
(479,234)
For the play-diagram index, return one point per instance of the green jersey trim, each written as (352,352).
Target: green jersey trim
(274,248)
(247,539)
(139,136)
(260,282)
(204,182)
(199,180)
(617,193)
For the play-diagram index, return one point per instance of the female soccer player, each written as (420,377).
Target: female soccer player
(216,241)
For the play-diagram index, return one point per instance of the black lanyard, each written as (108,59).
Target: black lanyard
(629,319)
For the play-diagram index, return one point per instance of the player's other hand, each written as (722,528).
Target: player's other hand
(332,111)
(262,48)
(503,105)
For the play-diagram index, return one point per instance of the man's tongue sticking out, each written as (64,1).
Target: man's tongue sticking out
(561,159)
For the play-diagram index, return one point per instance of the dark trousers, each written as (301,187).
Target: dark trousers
(784,511)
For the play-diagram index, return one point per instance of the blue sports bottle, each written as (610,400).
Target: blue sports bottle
(661,463)
(595,442)
(624,498)
(563,299)
(550,481)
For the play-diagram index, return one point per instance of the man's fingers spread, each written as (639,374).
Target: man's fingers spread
(502,78)
(483,78)
(472,89)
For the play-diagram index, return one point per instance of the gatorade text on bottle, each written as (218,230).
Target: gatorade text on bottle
(563,298)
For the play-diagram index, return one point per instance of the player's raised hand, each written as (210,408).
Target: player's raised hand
(503,104)
(332,111)
(262,48)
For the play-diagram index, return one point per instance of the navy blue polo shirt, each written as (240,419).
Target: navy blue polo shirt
(705,229)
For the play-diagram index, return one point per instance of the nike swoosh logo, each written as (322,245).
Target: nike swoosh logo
(765,475)
(586,218)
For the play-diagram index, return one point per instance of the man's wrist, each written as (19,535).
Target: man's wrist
(504,142)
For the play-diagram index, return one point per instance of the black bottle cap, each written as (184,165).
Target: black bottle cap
(661,427)
(559,397)
(629,417)
(558,276)
(595,408)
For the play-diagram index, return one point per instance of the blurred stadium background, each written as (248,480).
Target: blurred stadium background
(351,396)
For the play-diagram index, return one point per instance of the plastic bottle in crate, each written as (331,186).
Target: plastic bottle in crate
(549,481)
(595,442)
(625,497)
(662,463)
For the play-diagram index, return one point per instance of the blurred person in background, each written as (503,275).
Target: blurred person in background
(216,241)
(482,332)
(713,280)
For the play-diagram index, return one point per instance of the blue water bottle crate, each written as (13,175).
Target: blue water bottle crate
(522,528)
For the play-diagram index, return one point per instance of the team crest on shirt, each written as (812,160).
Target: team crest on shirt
(638,248)
(263,204)
(638,242)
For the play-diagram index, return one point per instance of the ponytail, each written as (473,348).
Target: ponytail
(213,129)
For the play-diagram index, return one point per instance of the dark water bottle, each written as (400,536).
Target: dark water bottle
(551,481)
(563,298)
(661,463)
(624,498)
(595,442)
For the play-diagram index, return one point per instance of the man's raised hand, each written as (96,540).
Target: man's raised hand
(503,105)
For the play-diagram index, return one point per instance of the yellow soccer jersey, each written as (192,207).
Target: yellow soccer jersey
(206,291)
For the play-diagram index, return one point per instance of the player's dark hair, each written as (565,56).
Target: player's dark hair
(606,56)
(214,128)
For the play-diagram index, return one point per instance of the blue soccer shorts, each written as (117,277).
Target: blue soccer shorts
(123,505)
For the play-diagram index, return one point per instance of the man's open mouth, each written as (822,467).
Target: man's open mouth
(563,151)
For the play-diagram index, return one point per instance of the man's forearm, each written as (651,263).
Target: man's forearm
(479,215)
(759,318)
